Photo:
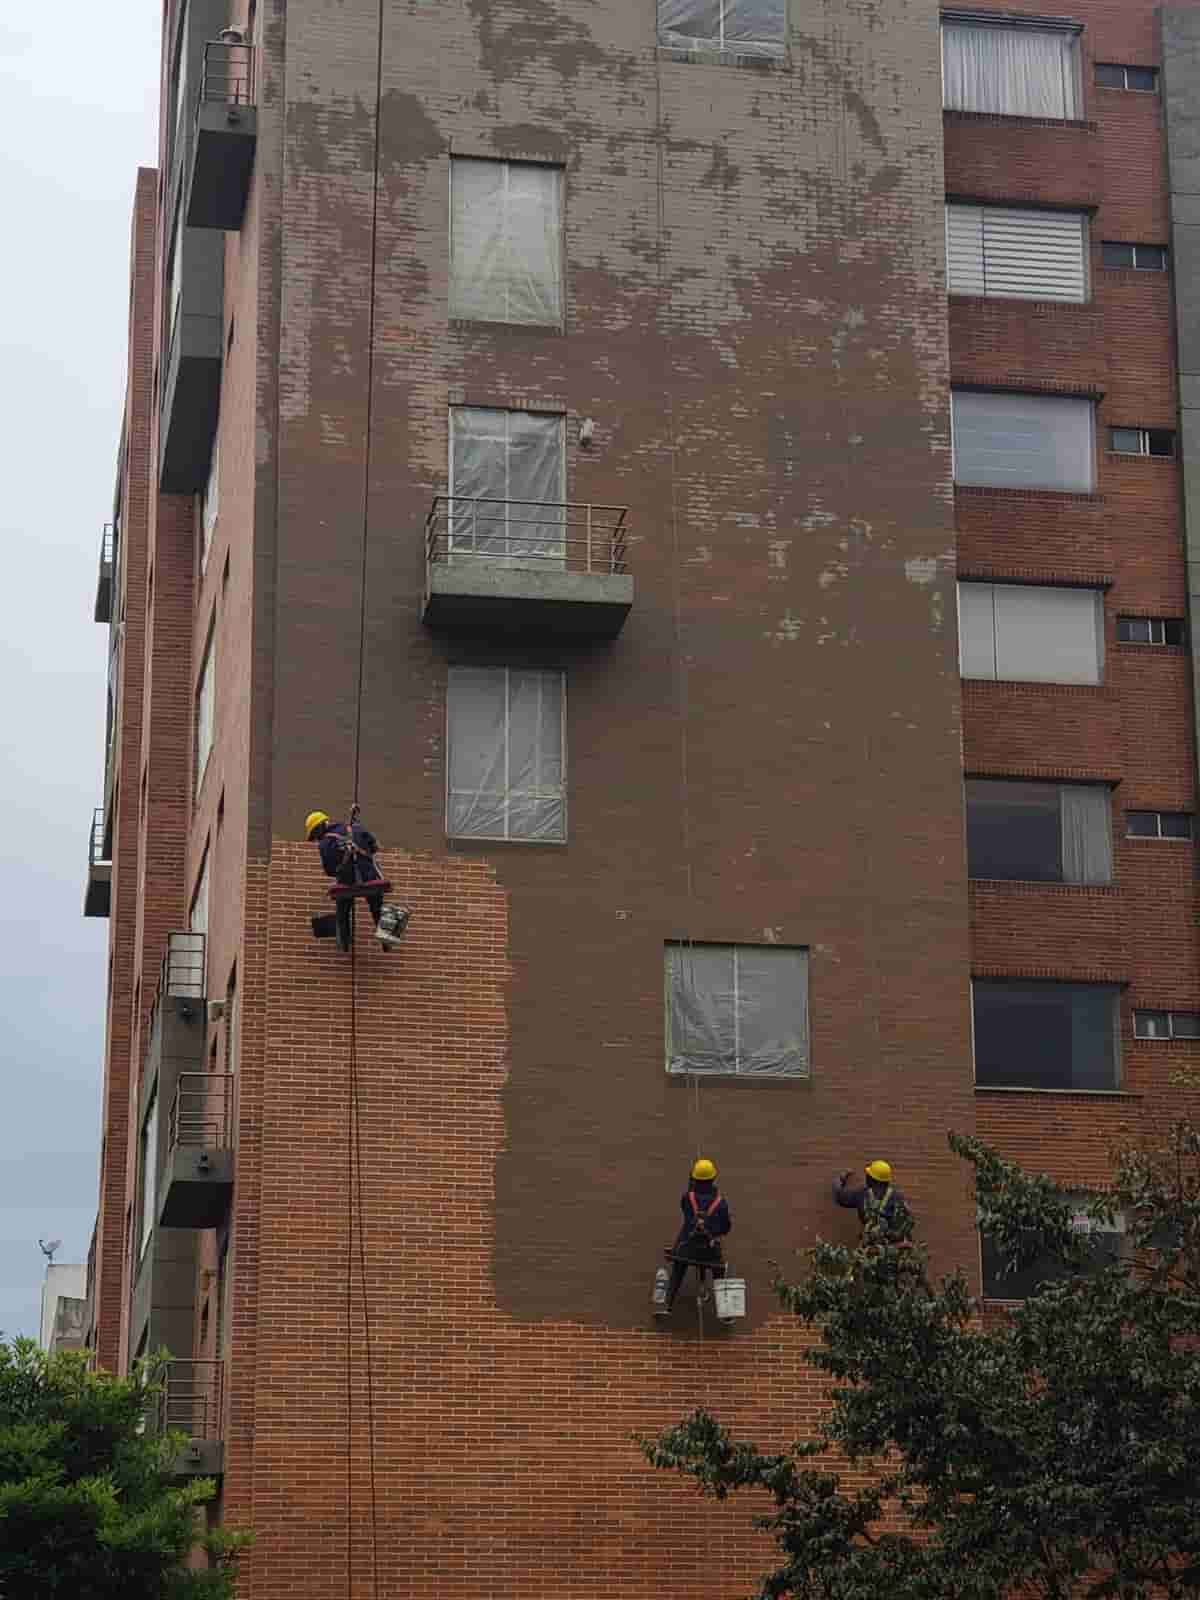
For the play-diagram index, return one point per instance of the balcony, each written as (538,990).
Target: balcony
(104,583)
(527,567)
(97,896)
(191,384)
(198,1181)
(225,135)
(191,1402)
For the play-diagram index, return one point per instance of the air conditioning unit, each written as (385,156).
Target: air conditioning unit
(231,36)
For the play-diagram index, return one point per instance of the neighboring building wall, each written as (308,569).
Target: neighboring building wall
(62,1283)
(111,1287)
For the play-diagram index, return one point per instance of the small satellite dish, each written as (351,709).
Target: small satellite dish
(49,1247)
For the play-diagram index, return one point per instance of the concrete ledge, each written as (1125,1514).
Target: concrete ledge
(496,598)
(197,1185)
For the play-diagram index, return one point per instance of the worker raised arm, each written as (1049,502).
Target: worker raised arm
(880,1206)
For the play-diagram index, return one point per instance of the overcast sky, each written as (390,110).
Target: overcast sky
(78,108)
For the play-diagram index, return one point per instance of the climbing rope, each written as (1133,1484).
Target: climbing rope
(354,1159)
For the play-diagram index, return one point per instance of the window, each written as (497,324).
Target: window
(1158,825)
(208,503)
(1010,71)
(1022,441)
(204,708)
(1152,630)
(1143,257)
(1045,1035)
(1039,832)
(1111,76)
(1030,255)
(198,920)
(1106,1245)
(1141,441)
(739,1009)
(149,1155)
(741,27)
(1166,1024)
(1025,633)
(505,762)
(176,277)
(507,487)
(505,241)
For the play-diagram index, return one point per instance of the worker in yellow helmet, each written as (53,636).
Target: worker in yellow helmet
(881,1207)
(706,1221)
(348,855)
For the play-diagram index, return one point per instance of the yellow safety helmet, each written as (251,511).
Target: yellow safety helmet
(313,820)
(703,1169)
(879,1170)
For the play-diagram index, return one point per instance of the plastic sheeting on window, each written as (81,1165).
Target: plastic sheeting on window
(1087,855)
(737,1009)
(505,241)
(1022,441)
(506,487)
(505,766)
(742,27)
(1010,71)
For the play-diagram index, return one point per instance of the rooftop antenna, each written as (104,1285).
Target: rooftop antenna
(48,1249)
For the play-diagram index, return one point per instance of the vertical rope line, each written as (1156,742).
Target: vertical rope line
(362,1277)
(349,1296)
(366,489)
(682,695)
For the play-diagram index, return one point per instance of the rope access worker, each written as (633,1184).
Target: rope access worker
(698,1243)
(348,855)
(881,1208)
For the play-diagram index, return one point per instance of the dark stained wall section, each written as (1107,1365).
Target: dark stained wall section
(770,752)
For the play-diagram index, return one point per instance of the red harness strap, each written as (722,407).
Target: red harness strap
(699,1215)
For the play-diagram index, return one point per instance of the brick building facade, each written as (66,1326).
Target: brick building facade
(395,1215)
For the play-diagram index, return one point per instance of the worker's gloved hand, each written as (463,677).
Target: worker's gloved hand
(844,1179)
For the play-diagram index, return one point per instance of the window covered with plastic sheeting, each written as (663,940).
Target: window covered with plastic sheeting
(740,27)
(737,1009)
(1011,71)
(506,241)
(507,487)
(505,766)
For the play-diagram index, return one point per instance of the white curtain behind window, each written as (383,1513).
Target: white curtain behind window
(1010,71)
(1086,833)
(507,486)
(505,241)
(1030,633)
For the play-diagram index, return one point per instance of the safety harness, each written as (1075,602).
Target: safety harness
(699,1216)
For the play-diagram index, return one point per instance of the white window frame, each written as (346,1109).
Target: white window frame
(507,793)
(149,1152)
(961,399)
(1135,265)
(1143,448)
(1141,1012)
(677,38)
(459,313)
(999,593)
(205,703)
(1157,627)
(210,500)
(1158,836)
(677,1065)
(1019,250)
(981,21)
(466,550)
(1125,68)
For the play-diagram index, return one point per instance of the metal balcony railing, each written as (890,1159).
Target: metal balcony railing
(536,535)
(201,1116)
(107,545)
(97,855)
(191,1399)
(181,974)
(228,75)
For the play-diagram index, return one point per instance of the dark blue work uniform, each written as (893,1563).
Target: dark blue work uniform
(348,866)
(706,1220)
(877,1204)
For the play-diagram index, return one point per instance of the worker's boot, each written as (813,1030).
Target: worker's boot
(392,922)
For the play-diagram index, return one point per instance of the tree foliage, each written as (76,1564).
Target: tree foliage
(89,1508)
(1052,1451)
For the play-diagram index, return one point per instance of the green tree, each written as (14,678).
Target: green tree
(89,1508)
(1054,1451)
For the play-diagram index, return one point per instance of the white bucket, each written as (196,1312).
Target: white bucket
(730,1297)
